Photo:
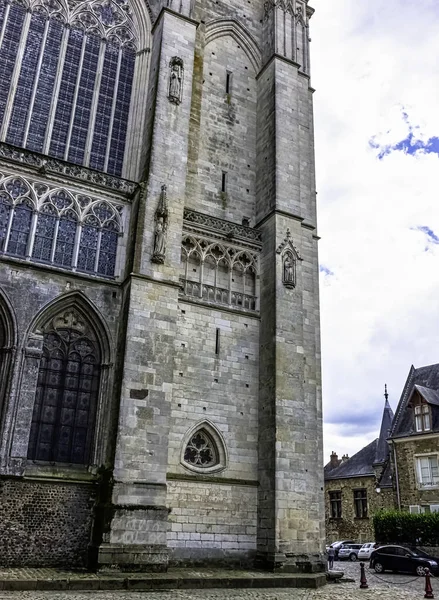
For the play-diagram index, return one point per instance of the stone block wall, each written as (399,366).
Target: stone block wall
(349,526)
(410,491)
(45,524)
(212,522)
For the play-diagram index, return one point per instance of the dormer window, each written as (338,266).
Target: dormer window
(422,417)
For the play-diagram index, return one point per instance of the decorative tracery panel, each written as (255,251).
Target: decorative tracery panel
(56,227)
(219,273)
(67,72)
(67,391)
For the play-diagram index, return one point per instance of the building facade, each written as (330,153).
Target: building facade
(159,313)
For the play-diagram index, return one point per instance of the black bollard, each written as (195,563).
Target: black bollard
(363,580)
(428,588)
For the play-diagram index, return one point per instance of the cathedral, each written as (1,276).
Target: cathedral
(160,394)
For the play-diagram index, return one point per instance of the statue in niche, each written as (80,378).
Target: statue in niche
(289,271)
(160,229)
(175,80)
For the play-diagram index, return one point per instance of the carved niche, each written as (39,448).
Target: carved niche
(289,256)
(160,228)
(176,72)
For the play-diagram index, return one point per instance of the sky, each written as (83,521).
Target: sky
(375,67)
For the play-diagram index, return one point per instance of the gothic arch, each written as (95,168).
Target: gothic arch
(8,336)
(88,311)
(72,389)
(205,437)
(228,27)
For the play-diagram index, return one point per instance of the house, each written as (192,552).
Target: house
(357,487)
(414,441)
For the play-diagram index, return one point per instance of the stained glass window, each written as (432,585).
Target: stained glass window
(20,229)
(5,211)
(67,390)
(88,248)
(201,451)
(65,241)
(55,118)
(44,235)
(108,249)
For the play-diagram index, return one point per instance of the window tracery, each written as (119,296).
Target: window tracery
(203,450)
(67,73)
(55,227)
(67,391)
(219,273)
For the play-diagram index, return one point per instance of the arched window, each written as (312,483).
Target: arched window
(65,406)
(67,72)
(6,343)
(74,233)
(204,449)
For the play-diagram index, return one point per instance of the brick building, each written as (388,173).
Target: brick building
(159,311)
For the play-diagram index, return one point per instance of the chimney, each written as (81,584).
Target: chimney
(344,458)
(333,459)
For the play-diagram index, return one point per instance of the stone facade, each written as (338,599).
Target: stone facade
(159,309)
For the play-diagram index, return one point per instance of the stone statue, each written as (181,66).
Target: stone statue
(289,277)
(160,229)
(175,80)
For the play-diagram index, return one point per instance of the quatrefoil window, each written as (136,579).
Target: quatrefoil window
(203,449)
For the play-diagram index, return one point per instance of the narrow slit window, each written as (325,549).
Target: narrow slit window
(223,182)
(217,342)
(228,82)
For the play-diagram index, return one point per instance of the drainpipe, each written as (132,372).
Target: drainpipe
(398,497)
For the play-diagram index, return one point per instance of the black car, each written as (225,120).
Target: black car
(398,558)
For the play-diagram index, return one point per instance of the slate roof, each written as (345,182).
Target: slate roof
(426,381)
(382,451)
(359,465)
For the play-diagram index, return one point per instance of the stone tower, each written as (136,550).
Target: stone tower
(159,308)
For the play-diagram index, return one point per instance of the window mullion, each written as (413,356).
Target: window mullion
(98,251)
(5,21)
(76,246)
(15,75)
(95,102)
(55,236)
(113,110)
(75,97)
(36,80)
(8,228)
(59,70)
(30,241)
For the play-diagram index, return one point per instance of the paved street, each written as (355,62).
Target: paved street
(385,587)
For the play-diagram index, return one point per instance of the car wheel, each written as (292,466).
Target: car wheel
(420,570)
(378,567)
(352,557)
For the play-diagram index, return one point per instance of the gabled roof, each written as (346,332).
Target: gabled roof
(426,381)
(359,465)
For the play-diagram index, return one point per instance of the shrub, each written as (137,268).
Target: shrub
(398,527)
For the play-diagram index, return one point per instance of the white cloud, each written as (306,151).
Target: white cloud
(380,311)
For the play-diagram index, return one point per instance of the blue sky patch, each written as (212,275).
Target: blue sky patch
(326,271)
(431,236)
(411,144)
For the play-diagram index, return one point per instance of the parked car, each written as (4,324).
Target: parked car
(338,545)
(366,550)
(400,559)
(349,552)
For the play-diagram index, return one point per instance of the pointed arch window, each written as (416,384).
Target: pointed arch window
(64,413)
(67,72)
(60,232)
(203,449)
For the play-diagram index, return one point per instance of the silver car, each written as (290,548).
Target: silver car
(366,550)
(349,552)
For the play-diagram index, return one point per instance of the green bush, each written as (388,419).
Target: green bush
(397,527)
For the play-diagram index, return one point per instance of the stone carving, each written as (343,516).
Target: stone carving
(161,228)
(230,230)
(289,270)
(175,93)
(290,256)
(58,167)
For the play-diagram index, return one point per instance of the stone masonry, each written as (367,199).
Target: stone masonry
(160,367)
